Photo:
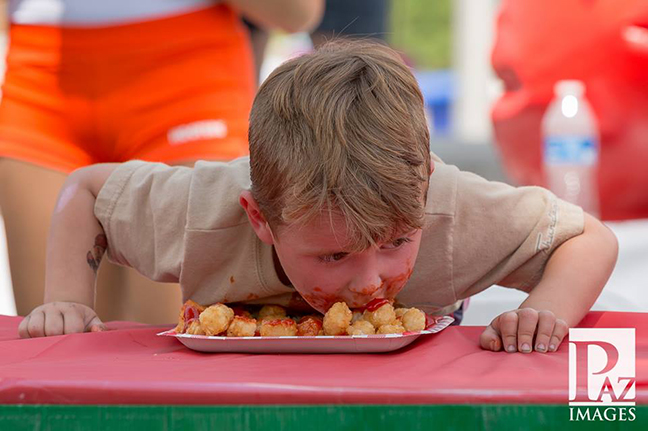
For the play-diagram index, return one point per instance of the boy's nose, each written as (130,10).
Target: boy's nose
(367,286)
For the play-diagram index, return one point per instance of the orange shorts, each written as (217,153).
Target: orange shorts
(170,90)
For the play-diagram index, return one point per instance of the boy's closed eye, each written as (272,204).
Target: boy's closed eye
(336,257)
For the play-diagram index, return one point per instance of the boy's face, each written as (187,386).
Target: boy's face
(315,260)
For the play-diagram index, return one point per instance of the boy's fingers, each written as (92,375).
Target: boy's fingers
(507,325)
(22,328)
(73,322)
(95,325)
(490,339)
(36,324)
(97,328)
(546,321)
(53,322)
(527,323)
(561,329)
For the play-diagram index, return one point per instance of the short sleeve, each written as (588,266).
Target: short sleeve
(142,208)
(504,235)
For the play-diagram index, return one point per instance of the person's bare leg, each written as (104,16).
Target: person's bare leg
(28,194)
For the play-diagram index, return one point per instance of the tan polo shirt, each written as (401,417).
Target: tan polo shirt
(178,224)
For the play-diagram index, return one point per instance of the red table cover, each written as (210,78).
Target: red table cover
(131,365)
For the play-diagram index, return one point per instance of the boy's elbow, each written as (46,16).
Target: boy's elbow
(613,244)
(608,242)
(77,178)
(92,177)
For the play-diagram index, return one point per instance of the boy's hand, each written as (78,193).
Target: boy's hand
(515,330)
(58,318)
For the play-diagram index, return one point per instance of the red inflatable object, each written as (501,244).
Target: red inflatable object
(604,43)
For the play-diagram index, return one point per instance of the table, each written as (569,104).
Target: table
(130,372)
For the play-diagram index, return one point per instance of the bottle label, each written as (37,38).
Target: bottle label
(571,150)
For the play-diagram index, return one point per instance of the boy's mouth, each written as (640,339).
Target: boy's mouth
(388,289)
(323,301)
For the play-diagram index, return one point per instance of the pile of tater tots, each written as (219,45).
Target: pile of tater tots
(378,317)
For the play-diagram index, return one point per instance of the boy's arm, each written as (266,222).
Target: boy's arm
(76,241)
(75,246)
(576,273)
(574,277)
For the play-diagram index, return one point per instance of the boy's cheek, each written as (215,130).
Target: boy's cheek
(397,283)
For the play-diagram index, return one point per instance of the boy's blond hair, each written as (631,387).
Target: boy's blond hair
(342,130)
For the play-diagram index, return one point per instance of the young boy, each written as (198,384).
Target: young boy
(340,200)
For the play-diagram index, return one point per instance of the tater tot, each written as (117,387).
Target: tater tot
(216,319)
(242,326)
(361,327)
(272,311)
(391,329)
(337,319)
(309,326)
(278,328)
(194,327)
(189,310)
(400,312)
(382,316)
(413,320)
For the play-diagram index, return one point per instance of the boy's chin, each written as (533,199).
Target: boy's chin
(313,301)
(300,304)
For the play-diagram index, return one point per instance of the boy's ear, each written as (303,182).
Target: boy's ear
(257,220)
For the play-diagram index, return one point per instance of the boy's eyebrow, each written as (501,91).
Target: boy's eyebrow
(325,252)
(401,235)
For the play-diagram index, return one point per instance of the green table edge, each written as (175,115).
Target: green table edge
(331,417)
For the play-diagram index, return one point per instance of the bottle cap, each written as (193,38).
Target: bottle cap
(569,87)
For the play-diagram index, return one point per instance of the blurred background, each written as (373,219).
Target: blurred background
(487,70)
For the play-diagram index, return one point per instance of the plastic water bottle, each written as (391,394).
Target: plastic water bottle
(571,147)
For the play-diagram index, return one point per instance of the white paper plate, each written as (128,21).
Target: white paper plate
(319,344)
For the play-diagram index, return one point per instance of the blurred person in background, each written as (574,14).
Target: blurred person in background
(92,81)
(366,19)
